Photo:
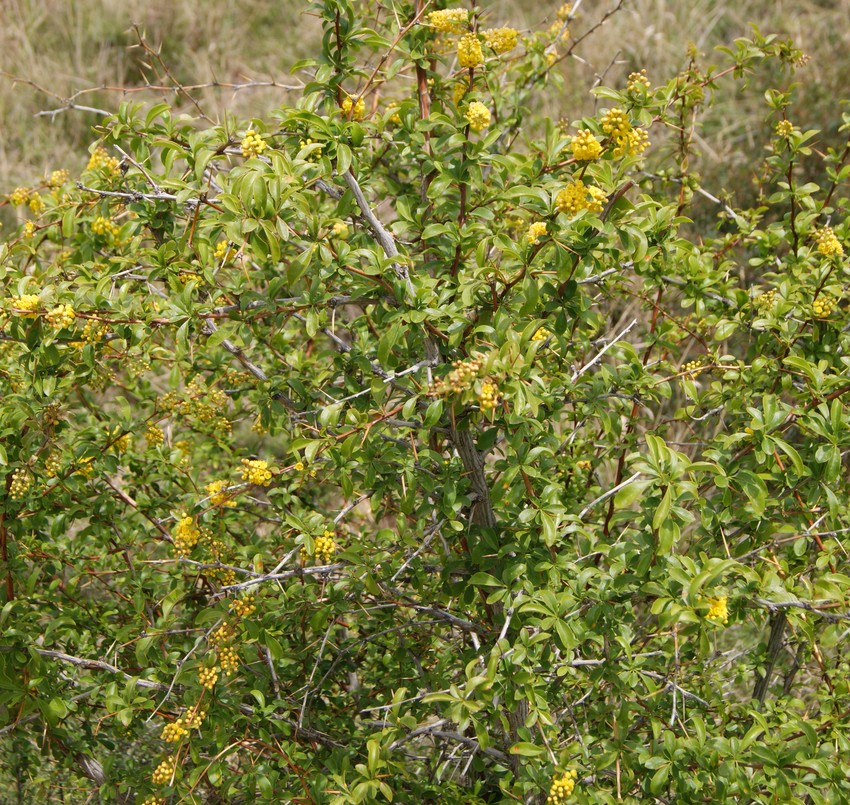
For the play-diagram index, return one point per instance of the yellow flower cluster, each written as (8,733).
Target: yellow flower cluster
(540,335)
(154,436)
(19,196)
(21,482)
(828,244)
(488,396)
(52,465)
(693,368)
(244,607)
(100,160)
(29,229)
(562,788)
(536,231)
(558,31)
(174,732)
(224,634)
(58,178)
(626,140)
(256,472)
(84,467)
(194,719)
(449,20)
(152,800)
(316,154)
(585,146)
(577,196)
(478,116)
(340,230)
(229,660)
(461,377)
(718,610)
(224,252)
(583,464)
(301,467)
(52,414)
(325,548)
(563,13)
(765,301)
(164,772)
(36,203)
(784,128)
(469,52)
(217,491)
(186,535)
(104,226)
(395,117)
(207,677)
(638,81)
(26,304)
(501,40)
(355,111)
(61,316)
(120,443)
(823,306)
(93,331)
(252,144)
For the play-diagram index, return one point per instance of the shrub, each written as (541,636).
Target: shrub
(377,451)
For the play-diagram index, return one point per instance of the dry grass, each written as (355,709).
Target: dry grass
(64,47)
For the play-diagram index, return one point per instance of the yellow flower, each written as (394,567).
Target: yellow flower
(171,733)
(638,81)
(562,788)
(559,31)
(21,482)
(823,306)
(626,140)
(224,252)
(36,203)
(488,397)
(100,160)
(784,128)
(718,610)
(340,230)
(252,144)
(501,39)
(585,146)
(104,226)
(25,305)
(576,197)
(828,244)
(478,116)
(164,772)
(692,368)
(256,472)
(217,491)
(325,548)
(563,13)
(355,111)
(536,231)
(469,52)
(58,178)
(29,229)
(449,20)
(616,123)
(61,316)
(19,196)
(186,535)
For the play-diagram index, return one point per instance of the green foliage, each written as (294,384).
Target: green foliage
(353,455)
